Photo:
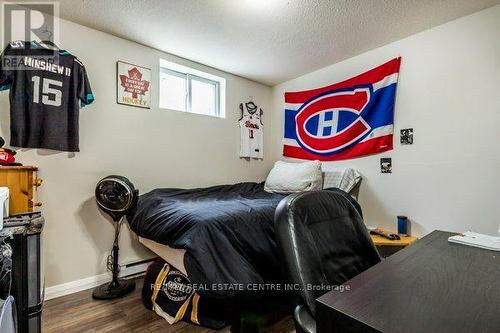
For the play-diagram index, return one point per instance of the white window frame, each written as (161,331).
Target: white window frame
(190,74)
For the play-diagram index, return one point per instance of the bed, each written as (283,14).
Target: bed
(220,235)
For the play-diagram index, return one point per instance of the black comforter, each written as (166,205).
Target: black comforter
(227,232)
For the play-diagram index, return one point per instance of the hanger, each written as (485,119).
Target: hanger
(251,106)
(49,34)
(49,45)
(47,42)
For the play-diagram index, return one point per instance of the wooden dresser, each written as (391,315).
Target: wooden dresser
(22,182)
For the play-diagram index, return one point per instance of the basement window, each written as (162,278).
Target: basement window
(190,90)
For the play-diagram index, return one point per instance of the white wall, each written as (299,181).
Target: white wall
(449,80)
(448,92)
(154,148)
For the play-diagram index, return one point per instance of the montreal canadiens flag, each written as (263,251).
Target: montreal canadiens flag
(344,120)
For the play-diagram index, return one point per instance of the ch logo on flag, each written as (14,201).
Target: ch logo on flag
(344,120)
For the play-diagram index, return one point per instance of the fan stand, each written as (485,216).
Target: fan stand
(117,287)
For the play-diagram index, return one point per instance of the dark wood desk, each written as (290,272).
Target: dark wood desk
(432,286)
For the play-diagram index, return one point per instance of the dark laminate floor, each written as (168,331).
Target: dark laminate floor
(80,313)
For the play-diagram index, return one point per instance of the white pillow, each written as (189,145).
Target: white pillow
(294,177)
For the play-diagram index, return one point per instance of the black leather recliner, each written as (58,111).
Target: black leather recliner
(324,242)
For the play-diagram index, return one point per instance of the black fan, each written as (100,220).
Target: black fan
(115,195)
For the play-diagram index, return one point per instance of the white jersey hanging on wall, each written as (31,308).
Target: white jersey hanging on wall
(252,131)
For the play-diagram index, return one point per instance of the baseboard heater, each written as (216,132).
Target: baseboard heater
(136,268)
(128,271)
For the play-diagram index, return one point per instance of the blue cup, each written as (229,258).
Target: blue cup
(403,225)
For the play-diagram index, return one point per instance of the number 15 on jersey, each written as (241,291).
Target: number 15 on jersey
(51,95)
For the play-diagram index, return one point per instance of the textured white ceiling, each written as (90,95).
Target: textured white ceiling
(269,41)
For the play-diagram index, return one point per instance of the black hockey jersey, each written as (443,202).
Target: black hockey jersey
(47,86)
